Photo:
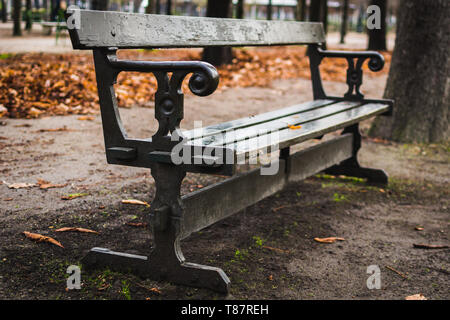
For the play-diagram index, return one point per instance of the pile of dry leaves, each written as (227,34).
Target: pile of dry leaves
(32,85)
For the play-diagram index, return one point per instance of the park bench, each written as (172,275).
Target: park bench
(47,26)
(216,149)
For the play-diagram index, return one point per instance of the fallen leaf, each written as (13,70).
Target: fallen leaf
(8,199)
(47,185)
(73,196)
(104,287)
(429,246)
(328,240)
(270,278)
(88,118)
(21,185)
(419,228)
(76,229)
(155,290)
(294,127)
(134,201)
(54,130)
(40,238)
(417,296)
(275,249)
(137,224)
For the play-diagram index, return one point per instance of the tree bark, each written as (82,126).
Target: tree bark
(240,9)
(17,7)
(150,8)
(28,16)
(377,37)
(318,12)
(419,75)
(4,11)
(218,55)
(269,10)
(101,5)
(344,20)
(300,10)
(169,7)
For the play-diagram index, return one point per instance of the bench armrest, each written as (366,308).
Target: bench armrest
(355,60)
(169,108)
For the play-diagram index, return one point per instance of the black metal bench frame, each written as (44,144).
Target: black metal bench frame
(173,217)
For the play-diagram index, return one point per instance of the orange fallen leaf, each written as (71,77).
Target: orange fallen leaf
(419,228)
(290,126)
(270,278)
(88,118)
(47,185)
(155,290)
(429,246)
(275,249)
(76,229)
(40,238)
(417,296)
(134,201)
(329,239)
(55,130)
(73,196)
(137,224)
(21,185)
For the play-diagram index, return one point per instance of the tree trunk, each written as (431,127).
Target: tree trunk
(240,9)
(300,10)
(101,5)
(150,8)
(319,12)
(136,5)
(218,55)
(17,7)
(269,10)
(169,7)
(314,10)
(28,16)
(158,7)
(344,20)
(419,75)
(4,14)
(377,37)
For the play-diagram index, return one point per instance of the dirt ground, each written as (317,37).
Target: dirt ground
(267,250)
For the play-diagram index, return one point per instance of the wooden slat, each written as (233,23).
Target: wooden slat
(218,201)
(132,30)
(317,158)
(287,137)
(299,118)
(254,120)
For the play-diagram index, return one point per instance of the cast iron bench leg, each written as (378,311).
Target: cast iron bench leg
(351,167)
(166,261)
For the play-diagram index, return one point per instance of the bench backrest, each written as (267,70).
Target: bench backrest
(103,29)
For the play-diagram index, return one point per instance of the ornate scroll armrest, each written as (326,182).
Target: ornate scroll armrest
(168,97)
(355,60)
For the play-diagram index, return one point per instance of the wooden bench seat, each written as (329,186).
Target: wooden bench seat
(284,127)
